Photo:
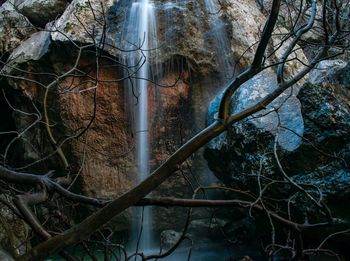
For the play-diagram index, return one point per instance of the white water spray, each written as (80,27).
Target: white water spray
(222,43)
(141,37)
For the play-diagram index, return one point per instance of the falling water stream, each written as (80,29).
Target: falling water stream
(140,39)
(221,42)
(141,36)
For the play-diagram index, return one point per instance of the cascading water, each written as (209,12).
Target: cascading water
(221,41)
(140,36)
(139,40)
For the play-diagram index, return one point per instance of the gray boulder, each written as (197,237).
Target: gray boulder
(237,151)
(40,12)
(14,27)
(313,149)
(34,48)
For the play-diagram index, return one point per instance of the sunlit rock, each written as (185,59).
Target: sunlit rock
(14,27)
(31,49)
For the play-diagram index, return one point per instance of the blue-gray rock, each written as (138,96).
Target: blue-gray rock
(282,116)
(32,49)
(314,149)
(324,71)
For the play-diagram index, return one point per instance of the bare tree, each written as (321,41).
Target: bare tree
(28,190)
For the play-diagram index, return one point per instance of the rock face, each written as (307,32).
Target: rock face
(185,42)
(326,111)
(88,118)
(83,20)
(183,29)
(85,102)
(313,149)
(40,12)
(245,20)
(14,27)
(235,153)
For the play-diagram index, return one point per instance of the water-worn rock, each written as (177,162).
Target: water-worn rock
(320,157)
(184,29)
(40,12)
(14,27)
(90,117)
(83,22)
(241,146)
(169,238)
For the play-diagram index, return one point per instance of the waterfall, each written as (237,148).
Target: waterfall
(140,37)
(222,45)
(139,43)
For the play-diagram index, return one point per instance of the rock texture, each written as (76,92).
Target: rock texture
(326,111)
(245,19)
(184,42)
(40,12)
(86,100)
(82,21)
(183,29)
(14,27)
(101,159)
(313,149)
(32,49)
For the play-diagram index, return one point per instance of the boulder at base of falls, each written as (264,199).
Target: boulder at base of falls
(238,151)
(311,131)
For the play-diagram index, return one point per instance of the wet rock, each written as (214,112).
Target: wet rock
(40,12)
(14,27)
(245,20)
(102,158)
(241,148)
(169,238)
(183,30)
(314,148)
